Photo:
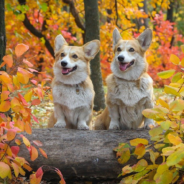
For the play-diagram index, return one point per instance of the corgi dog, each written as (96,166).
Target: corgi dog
(129,87)
(72,87)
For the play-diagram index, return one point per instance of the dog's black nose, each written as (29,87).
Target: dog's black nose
(121,58)
(63,63)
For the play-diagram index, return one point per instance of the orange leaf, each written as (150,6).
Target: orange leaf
(15,105)
(174,139)
(35,102)
(4,95)
(27,167)
(34,179)
(33,153)
(140,150)
(21,49)
(11,134)
(28,128)
(5,106)
(18,142)
(43,152)
(7,60)
(27,63)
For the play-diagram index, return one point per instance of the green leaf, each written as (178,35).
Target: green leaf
(155,131)
(177,77)
(150,113)
(171,90)
(174,59)
(166,74)
(43,7)
(177,105)
(140,166)
(165,125)
(175,157)
(125,156)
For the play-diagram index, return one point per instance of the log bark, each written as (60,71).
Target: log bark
(86,155)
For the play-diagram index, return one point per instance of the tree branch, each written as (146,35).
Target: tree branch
(35,32)
(74,13)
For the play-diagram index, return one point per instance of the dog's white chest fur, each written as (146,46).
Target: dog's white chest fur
(129,93)
(72,96)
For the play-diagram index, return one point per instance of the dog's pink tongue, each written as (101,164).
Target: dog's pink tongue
(123,67)
(65,70)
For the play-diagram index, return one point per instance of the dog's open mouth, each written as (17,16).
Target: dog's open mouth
(66,71)
(124,66)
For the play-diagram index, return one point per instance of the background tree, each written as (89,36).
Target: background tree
(92,23)
(2,32)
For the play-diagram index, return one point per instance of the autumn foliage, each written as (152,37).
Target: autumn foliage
(20,89)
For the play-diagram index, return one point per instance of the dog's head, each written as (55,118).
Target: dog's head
(129,62)
(72,62)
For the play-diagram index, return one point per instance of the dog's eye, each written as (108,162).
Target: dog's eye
(118,49)
(131,49)
(75,56)
(62,54)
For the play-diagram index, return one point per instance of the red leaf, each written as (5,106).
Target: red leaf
(35,102)
(22,99)
(39,173)
(15,150)
(35,118)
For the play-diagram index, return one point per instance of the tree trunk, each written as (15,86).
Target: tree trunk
(2,32)
(92,32)
(86,155)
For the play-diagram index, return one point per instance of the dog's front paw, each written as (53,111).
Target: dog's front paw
(114,126)
(60,124)
(148,124)
(82,126)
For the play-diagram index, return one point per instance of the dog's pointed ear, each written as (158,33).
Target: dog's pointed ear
(91,49)
(145,39)
(116,37)
(59,42)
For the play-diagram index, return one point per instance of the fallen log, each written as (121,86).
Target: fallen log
(81,154)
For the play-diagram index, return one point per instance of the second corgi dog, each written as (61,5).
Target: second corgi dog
(129,87)
(73,92)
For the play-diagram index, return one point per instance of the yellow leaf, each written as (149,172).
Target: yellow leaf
(137,141)
(166,74)
(174,59)
(174,139)
(26,141)
(165,125)
(20,49)
(5,170)
(15,105)
(163,103)
(177,77)
(28,96)
(24,79)
(182,48)
(16,81)
(182,62)
(15,168)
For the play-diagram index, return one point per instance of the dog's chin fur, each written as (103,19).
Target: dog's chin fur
(132,73)
(75,77)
